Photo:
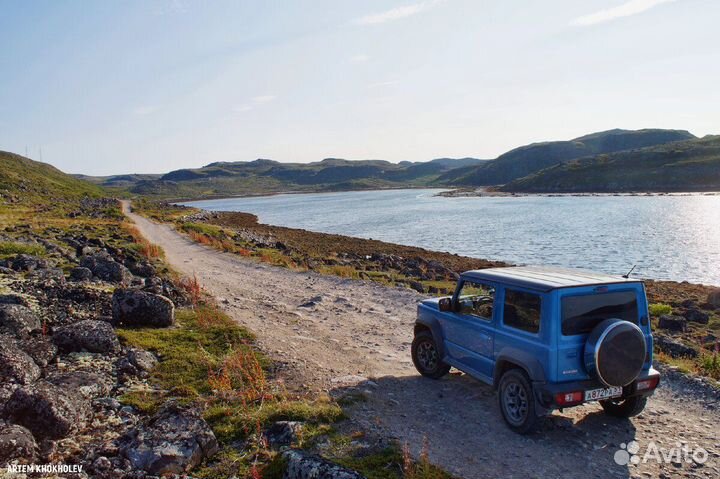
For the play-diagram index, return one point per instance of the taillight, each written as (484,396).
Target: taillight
(647,384)
(563,399)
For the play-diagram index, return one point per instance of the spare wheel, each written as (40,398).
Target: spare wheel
(615,352)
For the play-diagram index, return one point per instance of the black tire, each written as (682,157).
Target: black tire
(517,401)
(426,356)
(624,408)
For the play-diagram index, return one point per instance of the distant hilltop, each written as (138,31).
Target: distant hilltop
(608,161)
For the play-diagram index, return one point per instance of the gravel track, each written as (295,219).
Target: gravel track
(333,333)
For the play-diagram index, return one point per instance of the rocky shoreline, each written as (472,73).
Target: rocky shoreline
(483,192)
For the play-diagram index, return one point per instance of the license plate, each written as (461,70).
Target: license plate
(597,394)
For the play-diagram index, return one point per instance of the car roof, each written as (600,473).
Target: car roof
(545,278)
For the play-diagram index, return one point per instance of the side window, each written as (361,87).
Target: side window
(522,311)
(476,299)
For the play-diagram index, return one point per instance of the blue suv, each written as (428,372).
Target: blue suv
(545,338)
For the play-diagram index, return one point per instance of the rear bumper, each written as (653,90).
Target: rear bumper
(545,392)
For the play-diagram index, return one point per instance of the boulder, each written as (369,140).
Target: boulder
(50,274)
(106,268)
(696,315)
(714,298)
(26,262)
(283,434)
(16,365)
(18,320)
(14,299)
(49,411)
(301,465)
(141,268)
(17,444)
(88,385)
(132,307)
(674,348)
(138,362)
(174,441)
(672,323)
(40,348)
(88,335)
(80,274)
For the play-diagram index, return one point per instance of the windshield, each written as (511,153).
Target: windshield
(580,314)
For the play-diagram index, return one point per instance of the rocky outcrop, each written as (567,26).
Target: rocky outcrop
(16,366)
(174,441)
(301,465)
(696,315)
(17,444)
(132,307)
(674,348)
(86,384)
(283,434)
(88,335)
(40,348)
(106,268)
(25,262)
(49,411)
(81,274)
(672,323)
(18,320)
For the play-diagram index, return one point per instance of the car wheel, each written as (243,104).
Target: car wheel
(426,356)
(517,401)
(629,407)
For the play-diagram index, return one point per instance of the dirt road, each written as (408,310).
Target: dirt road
(335,333)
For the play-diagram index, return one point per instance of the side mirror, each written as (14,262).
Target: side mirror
(445,305)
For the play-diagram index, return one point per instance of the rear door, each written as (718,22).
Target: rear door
(469,331)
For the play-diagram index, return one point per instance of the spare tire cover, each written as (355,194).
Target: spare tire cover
(615,352)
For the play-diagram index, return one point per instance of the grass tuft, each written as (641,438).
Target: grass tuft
(8,248)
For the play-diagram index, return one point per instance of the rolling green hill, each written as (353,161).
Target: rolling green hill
(29,182)
(532,158)
(692,165)
(267,176)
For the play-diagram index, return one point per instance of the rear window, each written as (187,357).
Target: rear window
(580,314)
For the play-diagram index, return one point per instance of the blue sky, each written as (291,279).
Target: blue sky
(107,87)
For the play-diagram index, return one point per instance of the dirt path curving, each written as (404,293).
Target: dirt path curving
(332,333)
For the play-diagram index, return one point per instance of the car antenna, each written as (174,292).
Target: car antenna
(626,276)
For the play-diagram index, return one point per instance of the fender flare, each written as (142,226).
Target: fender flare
(522,359)
(432,324)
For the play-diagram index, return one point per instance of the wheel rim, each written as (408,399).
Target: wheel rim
(427,355)
(515,403)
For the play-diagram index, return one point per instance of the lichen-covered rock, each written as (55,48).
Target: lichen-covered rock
(13,299)
(17,444)
(174,441)
(40,348)
(301,465)
(81,274)
(106,268)
(88,335)
(132,307)
(49,411)
(672,323)
(283,434)
(26,262)
(88,385)
(16,365)
(696,315)
(141,268)
(18,320)
(50,274)
(714,298)
(141,359)
(674,348)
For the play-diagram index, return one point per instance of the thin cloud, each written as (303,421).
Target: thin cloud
(397,13)
(362,58)
(633,7)
(263,99)
(144,110)
(383,84)
(242,108)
